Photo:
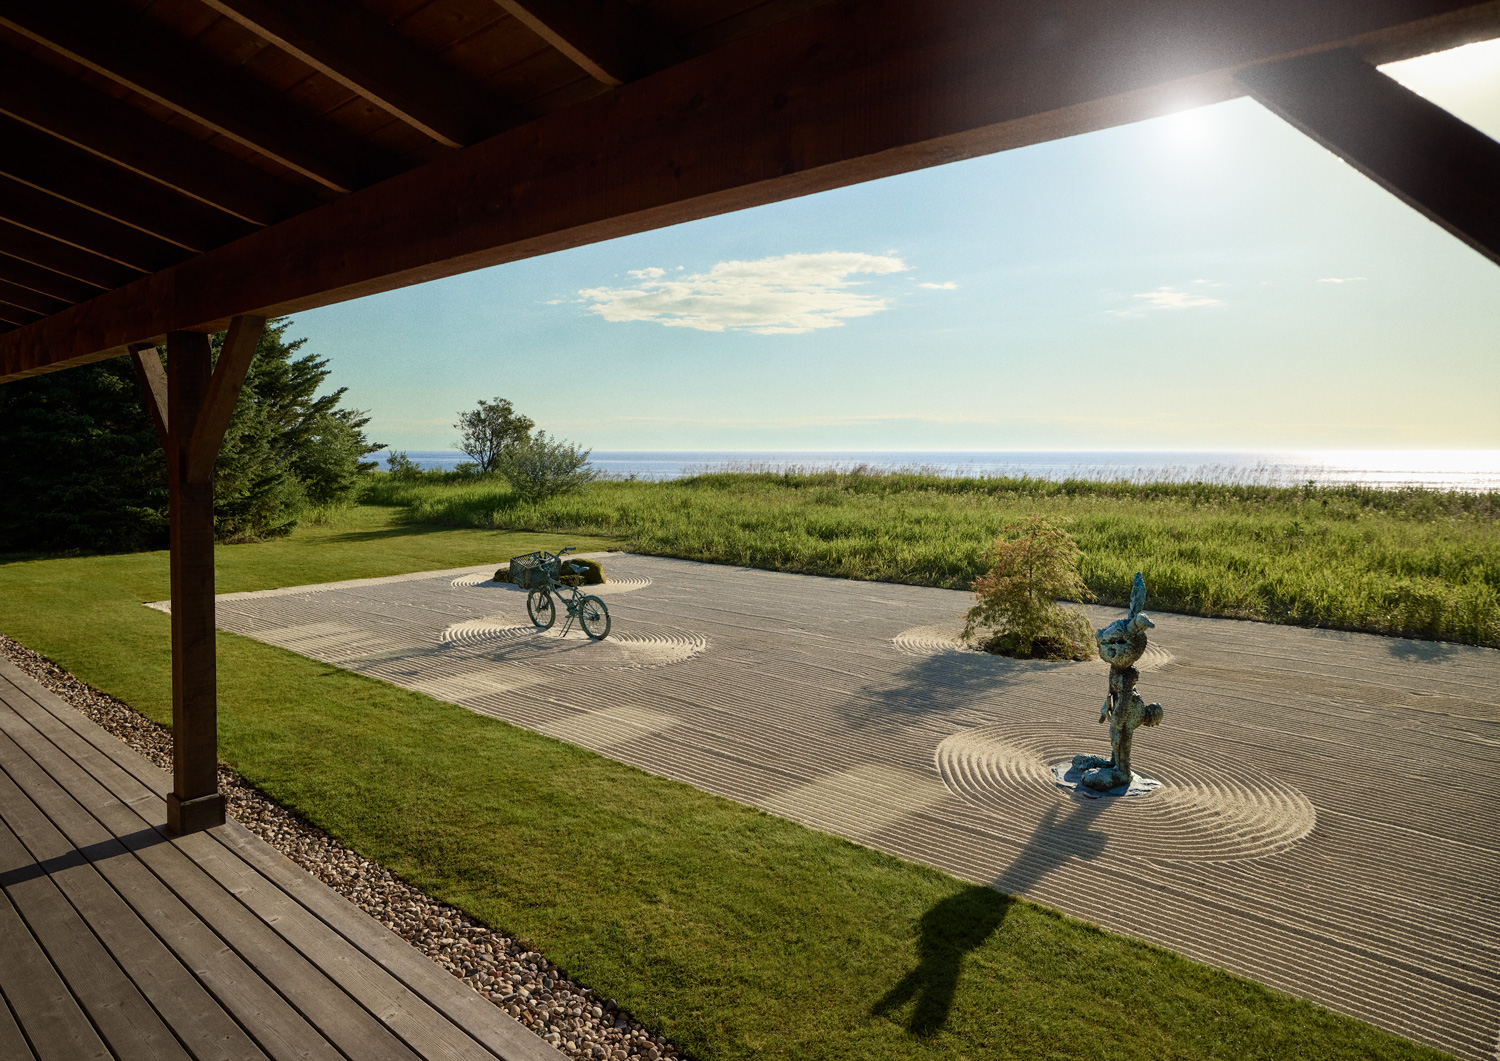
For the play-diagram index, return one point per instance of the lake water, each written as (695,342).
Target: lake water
(1439,469)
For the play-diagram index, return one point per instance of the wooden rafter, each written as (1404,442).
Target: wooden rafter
(16,315)
(608,39)
(852,92)
(26,298)
(66,108)
(130,50)
(44,281)
(27,207)
(32,157)
(48,253)
(371,59)
(1439,165)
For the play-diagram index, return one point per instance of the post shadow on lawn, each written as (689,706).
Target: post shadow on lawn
(962,922)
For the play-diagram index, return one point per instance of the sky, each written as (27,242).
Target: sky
(1209,280)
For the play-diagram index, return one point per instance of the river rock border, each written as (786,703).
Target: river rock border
(522,982)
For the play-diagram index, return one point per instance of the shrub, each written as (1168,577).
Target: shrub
(1032,565)
(540,467)
(400,466)
(593,574)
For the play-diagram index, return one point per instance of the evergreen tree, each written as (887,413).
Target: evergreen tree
(80,464)
(82,468)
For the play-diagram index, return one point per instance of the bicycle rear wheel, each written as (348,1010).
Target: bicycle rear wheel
(541,608)
(593,616)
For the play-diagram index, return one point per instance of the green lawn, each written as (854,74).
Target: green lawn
(736,933)
(1416,563)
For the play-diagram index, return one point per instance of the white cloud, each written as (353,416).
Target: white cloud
(1340,279)
(1171,298)
(948,286)
(789,294)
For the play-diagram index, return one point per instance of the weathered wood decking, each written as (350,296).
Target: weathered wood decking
(118,941)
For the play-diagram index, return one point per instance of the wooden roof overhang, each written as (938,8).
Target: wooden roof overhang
(167,165)
(173,167)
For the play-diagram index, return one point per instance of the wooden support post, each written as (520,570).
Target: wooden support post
(199,400)
(195,802)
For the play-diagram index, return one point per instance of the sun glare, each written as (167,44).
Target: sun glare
(1188,130)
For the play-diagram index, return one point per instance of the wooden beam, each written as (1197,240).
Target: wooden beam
(35,93)
(609,40)
(195,801)
(26,298)
(152,378)
(45,281)
(1445,169)
(63,258)
(223,393)
(126,47)
(373,60)
(32,157)
(25,206)
(852,92)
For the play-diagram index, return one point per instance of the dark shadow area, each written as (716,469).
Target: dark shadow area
(1408,650)
(936,685)
(112,848)
(963,922)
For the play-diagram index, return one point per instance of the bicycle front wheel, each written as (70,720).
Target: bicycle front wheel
(593,616)
(541,608)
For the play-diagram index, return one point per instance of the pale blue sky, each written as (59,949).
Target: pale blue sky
(1208,280)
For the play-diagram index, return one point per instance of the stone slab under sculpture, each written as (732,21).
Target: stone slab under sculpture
(1121,644)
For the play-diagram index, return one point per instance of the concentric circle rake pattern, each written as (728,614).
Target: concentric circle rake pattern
(619,584)
(1206,810)
(477,578)
(620,650)
(929,641)
(938,640)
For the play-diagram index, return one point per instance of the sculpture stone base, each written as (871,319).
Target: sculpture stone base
(1085,768)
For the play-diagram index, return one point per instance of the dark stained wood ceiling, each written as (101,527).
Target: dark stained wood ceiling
(153,149)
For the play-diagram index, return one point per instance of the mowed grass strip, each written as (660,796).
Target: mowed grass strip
(1413,563)
(738,934)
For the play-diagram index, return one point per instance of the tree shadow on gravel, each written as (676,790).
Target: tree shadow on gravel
(961,923)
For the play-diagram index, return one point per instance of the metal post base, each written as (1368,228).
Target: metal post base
(194,815)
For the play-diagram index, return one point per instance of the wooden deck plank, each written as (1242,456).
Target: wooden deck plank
(16,682)
(282,1031)
(13,1043)
(124,1019)
(386,973)
(46,1009)
(320,999)
(504,1035)
(410,1018)
(193,1014)
(424,1029)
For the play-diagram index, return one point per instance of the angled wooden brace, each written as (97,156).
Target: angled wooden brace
(153,380)
(223,394)
(1430,160)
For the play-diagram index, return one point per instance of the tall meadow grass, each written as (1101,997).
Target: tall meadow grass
(1409,562)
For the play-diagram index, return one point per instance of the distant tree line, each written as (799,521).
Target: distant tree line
(81,467)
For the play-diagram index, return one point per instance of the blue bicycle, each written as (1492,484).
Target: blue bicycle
(542,574)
